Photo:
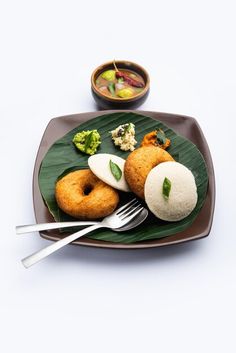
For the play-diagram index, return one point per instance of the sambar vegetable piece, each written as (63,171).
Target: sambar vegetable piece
(109,75)
(111,88)
(87,141)
(125,92)
(156,138)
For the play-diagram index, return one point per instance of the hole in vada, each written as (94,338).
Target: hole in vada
(87,190)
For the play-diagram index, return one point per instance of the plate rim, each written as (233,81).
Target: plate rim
(139,245)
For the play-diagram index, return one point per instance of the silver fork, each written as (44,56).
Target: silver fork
(116,220)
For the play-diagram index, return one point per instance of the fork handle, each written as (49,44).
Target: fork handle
(47,226)
(41,254)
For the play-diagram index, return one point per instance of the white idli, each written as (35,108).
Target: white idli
(100,166)
(183,193)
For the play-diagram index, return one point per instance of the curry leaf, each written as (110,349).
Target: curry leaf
(88,141)
(115,170)
(166,187)
(161,138)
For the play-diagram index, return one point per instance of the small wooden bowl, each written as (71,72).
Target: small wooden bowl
(106,102)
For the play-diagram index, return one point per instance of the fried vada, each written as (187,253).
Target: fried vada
(139,163)
(82,195)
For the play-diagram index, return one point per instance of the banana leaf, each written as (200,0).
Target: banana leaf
(63,157)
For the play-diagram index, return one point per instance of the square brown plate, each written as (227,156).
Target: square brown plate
(185,126)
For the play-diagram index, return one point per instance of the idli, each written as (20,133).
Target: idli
(110,169)
(170,191)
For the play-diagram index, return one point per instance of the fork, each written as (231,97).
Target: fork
(117,219)
(49,226)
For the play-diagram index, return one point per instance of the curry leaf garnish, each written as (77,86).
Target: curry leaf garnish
(128,127)
(88,141)
(161,138)
(166,187)
(115,170)
(125,128)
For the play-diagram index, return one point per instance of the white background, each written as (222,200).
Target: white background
(175,299)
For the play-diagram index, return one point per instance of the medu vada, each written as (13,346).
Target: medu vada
(139,163)
(82,195)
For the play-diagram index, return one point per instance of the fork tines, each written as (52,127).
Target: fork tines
(125,207)
(131,208)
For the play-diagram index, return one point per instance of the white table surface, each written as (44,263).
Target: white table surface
(174,299)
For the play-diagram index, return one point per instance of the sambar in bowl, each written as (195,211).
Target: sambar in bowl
(120,84)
